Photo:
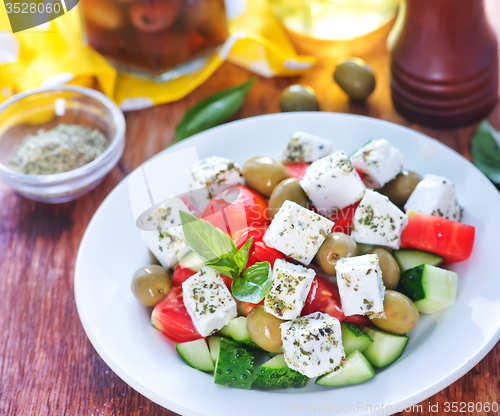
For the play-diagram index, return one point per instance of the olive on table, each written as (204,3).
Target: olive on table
(389,267)
(264,329)
(103,13)
(151,284)
(298,98)
(355,77)
(155,15)
(263,173)
(287,190)
(401,187)
(335,246)
(401,314)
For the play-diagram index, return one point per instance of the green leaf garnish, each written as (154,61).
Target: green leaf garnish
(485,149)
(241,257)
(255,283)
(212,111)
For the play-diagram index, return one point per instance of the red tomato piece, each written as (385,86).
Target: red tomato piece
(181,274)
(249,209)
(449,239)
(246,307)
(240,237)
(170,317)
(265,253)
(324,297)
(343,219)
(297,171)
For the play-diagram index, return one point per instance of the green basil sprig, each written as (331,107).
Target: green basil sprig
(212,111)
(485,149)
(220,253)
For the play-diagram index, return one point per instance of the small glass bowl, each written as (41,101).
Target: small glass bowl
(44,108)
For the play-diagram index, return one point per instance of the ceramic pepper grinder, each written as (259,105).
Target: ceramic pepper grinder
(444,63)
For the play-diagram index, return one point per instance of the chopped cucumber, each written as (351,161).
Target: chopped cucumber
(430,288)
(191,261)
(213,344)
(272,354)
(237,330)
(386,348)
(353,338)
(357,369)
(234,367)
(408,259)
(196,354)
(275,374)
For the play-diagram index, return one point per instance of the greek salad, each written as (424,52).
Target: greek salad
(319,260)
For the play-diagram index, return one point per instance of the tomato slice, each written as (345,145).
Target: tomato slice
(343,219)
(240,237)
(244,308)
(297,171)
(181,274)
(449,239)
(324,297)
(231,215)
(265,253)
(170,317)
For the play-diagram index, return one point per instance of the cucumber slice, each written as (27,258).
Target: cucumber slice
(213,345)
(191,261)
(386,348)
(353,338)
(234,367)
(196,354)
(275,374)
(357,369)
(237,329)
(408,259)
(430,288)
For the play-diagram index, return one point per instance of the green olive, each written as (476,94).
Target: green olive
(355,77)
(336,246)
(264,329)
(389,267)
(151,284)
(263,173)
(298,98)
(401,314)
(287,190)
(401,187)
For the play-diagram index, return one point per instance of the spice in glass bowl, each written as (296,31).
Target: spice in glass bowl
(64,148)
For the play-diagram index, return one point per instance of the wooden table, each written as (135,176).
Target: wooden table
(47,364)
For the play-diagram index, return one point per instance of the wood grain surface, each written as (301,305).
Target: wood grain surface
(47,364)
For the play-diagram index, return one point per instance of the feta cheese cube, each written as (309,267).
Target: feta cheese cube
(297,232)
(167,241)
(378,221)
(209,177)
(304,147)
(360,284)
(291,284)
(435,195)
(332,183)
(379,161)
(313,344)
(208,301)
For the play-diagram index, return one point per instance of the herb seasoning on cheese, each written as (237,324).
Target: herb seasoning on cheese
(64,148)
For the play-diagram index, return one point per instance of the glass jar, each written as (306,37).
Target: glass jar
(334,19)
(154,38)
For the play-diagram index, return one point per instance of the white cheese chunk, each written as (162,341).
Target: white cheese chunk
(379,161)
(291,284)
(378,221)
(304,147)
(332,183)
(167,242)
(208,301)
(435,195)
(313,344)
(209,177)
(360,285)
(297,232)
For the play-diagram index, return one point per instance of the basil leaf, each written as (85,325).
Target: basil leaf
(225,265)
(255,283)
(485,149)
(207,241)
(212,111)
(241,257)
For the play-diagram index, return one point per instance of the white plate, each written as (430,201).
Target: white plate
(441,349)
